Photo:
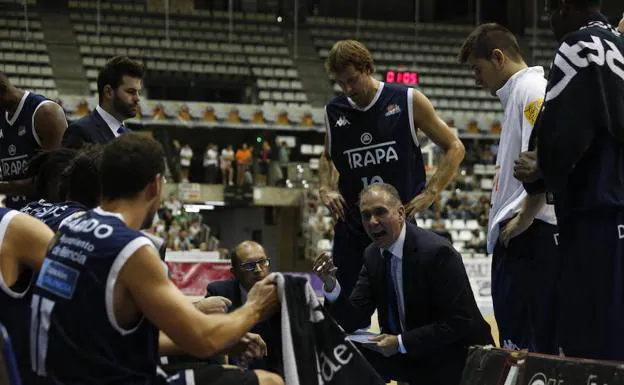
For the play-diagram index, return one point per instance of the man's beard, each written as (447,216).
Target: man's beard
(123,108)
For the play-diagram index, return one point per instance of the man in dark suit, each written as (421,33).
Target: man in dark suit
(250,265)
(119,86)
(418,284)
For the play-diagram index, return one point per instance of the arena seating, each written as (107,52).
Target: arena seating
(195,46)
(23,53)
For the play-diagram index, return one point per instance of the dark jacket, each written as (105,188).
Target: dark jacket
(89,129)
(441,315)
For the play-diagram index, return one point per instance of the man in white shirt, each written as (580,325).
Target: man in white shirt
(418,284)
(186,156)
(119,86)
(522,228)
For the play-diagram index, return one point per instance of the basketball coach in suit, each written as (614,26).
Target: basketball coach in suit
(250,265)
(418,284)
(119,86)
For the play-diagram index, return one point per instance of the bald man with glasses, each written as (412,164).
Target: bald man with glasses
(250,264)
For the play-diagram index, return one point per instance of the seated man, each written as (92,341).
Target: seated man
(418,284)
(103,308)
(250,265)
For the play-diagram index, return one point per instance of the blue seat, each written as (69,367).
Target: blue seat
(9,374)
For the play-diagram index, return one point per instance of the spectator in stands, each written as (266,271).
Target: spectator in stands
(29,123)
(119,85)
(182,242)
(227,170)
(428,321)
(243,162)
(439,228)
(173,204)
(211,164)
(250,264)
(264,162)
(186,156)
(284,158)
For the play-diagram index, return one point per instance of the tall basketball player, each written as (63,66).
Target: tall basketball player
(579,138)
(24,242)
(522,228)
(371,138)
(29,123)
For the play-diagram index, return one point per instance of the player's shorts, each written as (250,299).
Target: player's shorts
(590,290)
(523,287)
(350,240)
(207,374)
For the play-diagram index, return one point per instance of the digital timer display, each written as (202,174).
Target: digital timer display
(403,77)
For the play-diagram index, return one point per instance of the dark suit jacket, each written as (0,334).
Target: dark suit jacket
(270,330)
(89,129)
(441,315)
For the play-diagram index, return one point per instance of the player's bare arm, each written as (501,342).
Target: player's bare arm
(50,125)
(531,206)
(426,119)
(166,307)
(328,180)
(25,243)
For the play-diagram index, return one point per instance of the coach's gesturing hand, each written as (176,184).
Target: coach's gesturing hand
(324,268)
(334,202)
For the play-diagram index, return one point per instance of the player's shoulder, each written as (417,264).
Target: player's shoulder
(395,88)
(339,101)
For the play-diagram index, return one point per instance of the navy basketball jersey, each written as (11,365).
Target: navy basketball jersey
(376,144)
(75,337)
(15,305)
(18,143)
(52,214)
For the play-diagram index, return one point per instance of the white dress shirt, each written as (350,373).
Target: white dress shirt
(396,248)
(110,120)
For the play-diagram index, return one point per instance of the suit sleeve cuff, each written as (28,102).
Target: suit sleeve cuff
(332,296)
(401,347)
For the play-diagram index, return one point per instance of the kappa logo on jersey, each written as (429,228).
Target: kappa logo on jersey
(366,138)
(342,122)
(372,155)
(532,110)
(12,150)
(571,58)
(392,109)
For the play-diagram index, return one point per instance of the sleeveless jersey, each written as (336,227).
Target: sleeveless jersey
(18,143)
(52,214)
(15,302)
(75,337)
(376,144)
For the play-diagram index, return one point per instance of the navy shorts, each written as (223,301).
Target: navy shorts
(350,240)
(590,290)
(523,284)
(210,374)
